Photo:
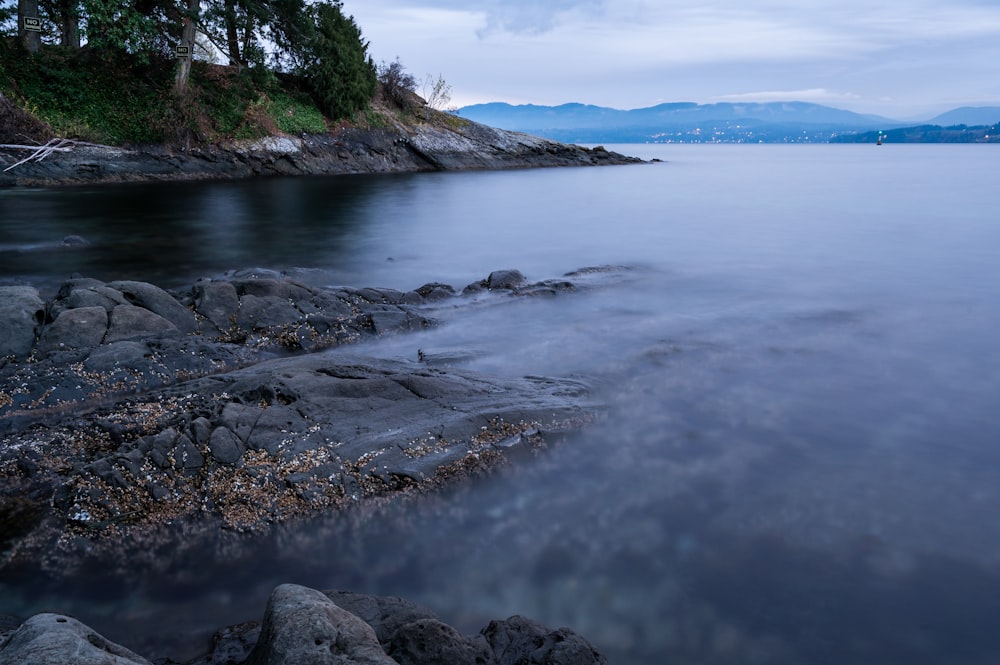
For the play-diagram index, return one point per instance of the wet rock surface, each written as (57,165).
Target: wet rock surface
(125,407)
(302,626)
(441,143)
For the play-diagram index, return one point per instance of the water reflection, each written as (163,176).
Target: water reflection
(174,233)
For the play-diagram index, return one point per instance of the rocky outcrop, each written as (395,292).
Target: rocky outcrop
(444,143)
(124,406)
(302,626)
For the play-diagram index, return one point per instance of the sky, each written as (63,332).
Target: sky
(903,59)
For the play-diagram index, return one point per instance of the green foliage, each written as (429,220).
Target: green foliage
(118,88)
(235,26)
(296,116)
(335,64)
(8,16)
(6,81)
(250,104)
(118,100)
(120,26)
(293,29)
(102,102)
(222,97)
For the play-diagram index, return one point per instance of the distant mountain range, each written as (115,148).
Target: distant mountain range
(687,122)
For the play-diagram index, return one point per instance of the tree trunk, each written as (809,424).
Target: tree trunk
(31,39)
(247,35)
(232,37)
(187,40)
(70,17)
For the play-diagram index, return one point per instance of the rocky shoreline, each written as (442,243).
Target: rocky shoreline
(124,407)
(130,415)
(302,626)
(449,143)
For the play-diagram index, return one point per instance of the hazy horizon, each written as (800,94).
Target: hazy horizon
(685,101)
(903,61)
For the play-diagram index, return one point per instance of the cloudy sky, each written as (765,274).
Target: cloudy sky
(904,59)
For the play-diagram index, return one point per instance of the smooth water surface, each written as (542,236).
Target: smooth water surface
(798,345)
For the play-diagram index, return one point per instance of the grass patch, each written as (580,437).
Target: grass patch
(296,115)
(371,118)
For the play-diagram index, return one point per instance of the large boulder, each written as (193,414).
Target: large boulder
(80,328)
(304,627)
(157,300)
(48,639)
(217,301)
(504,279)
(21,311)
(134,322)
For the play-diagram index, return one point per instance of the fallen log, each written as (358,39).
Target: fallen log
(43,151)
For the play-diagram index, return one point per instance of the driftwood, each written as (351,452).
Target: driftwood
(41,152)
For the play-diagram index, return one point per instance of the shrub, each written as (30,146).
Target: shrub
(398,86)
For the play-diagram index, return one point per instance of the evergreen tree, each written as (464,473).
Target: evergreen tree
(336,65)
(140,29)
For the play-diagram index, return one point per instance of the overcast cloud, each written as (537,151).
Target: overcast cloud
(903,59)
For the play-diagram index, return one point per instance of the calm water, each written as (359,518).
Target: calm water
(800,460)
